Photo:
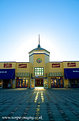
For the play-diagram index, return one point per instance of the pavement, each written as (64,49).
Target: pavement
(57,104)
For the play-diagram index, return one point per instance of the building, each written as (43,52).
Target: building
(39,72)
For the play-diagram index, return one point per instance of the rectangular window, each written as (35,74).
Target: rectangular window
(39,71)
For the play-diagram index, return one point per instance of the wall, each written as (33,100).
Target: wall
(7,65)
(24,69)
(42,64)
(31,59)
(70,64)
(55,69)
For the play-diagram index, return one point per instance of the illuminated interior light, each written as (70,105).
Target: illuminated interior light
(39,88)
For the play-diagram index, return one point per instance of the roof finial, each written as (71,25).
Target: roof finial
(39,41)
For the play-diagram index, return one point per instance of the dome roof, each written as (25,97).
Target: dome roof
(39,47)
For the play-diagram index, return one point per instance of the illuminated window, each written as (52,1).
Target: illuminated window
(39,71)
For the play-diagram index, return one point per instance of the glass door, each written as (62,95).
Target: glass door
(32,83)
(1,83)
(38,82)
(45,83)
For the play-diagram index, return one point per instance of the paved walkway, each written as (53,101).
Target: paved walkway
(47,105)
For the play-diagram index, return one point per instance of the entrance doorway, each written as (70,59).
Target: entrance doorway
(7,83)
(38,82)
(74,83)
